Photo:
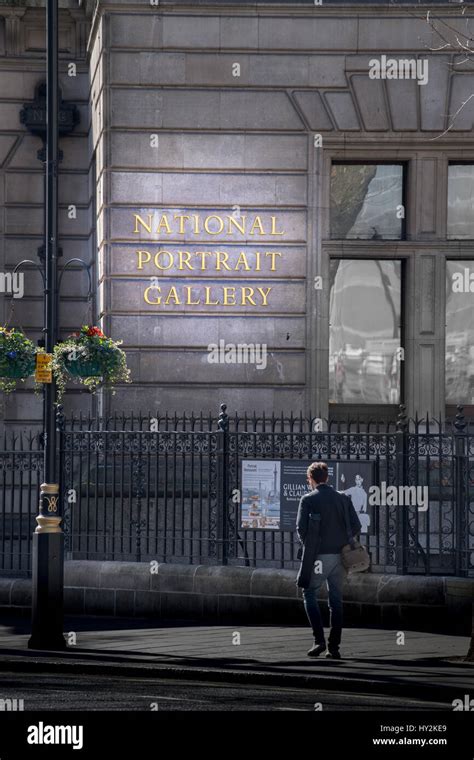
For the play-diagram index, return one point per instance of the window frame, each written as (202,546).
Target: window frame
(405,164)
(346,409)
(449,405)
(454,240)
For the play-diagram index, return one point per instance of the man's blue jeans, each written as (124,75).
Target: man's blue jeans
(333,572)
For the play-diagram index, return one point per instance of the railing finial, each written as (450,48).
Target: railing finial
(60,418)
(223,421)
(402,420)
(460,421)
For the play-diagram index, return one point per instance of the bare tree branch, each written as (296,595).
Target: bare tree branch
(453,118)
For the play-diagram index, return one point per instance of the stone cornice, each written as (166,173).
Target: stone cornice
(340,8)
(8,6)
(329,8)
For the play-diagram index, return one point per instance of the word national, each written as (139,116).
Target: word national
(405,68)
(42,734)
(212,224)
(240,353)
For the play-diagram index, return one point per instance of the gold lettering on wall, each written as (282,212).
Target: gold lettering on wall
(213,224)
(165,263)
(206,295)
(206,261)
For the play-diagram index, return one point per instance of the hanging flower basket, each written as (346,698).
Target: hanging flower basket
(91,358)
(17,358)
(83,368)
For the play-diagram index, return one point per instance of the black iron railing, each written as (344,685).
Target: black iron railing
(168,488)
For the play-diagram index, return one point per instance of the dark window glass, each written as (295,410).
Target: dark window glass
(460,332)
(367,201)
(364,335)
(460,201)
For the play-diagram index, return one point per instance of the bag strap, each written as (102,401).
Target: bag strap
(345,511)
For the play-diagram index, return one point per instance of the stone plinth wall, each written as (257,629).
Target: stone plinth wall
(224,594)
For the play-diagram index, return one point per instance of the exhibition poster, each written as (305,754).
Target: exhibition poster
(272,489)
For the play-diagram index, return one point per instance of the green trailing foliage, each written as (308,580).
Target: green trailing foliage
(91,358)
(17,358)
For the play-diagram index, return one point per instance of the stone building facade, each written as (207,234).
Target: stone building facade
(244,174)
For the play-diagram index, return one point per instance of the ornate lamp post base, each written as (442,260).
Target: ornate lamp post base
(48,573)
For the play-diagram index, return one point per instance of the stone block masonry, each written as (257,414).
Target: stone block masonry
(216,594)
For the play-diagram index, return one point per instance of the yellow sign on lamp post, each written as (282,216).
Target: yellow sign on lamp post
(43,370)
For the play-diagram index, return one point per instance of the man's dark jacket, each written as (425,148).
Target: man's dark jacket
(321,527)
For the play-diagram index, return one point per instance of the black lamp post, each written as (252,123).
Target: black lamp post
(45,117)
(48,539)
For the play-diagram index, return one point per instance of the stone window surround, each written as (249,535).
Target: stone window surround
(423,277)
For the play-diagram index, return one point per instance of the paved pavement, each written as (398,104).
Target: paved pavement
(420,665)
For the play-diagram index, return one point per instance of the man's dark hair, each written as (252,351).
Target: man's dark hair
(318,471)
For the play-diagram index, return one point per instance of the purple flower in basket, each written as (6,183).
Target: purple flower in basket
(12,354)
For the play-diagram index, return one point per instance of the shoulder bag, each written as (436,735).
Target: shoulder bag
(355,557)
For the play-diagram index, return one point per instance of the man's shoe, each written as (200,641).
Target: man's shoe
(316,650)
(333,654)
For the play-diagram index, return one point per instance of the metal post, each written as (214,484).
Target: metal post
(460,504)
(402,471)
(223,500)
(48,539)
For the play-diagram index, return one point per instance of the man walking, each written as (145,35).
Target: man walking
(325,506)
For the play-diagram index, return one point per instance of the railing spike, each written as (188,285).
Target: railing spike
(460,422)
